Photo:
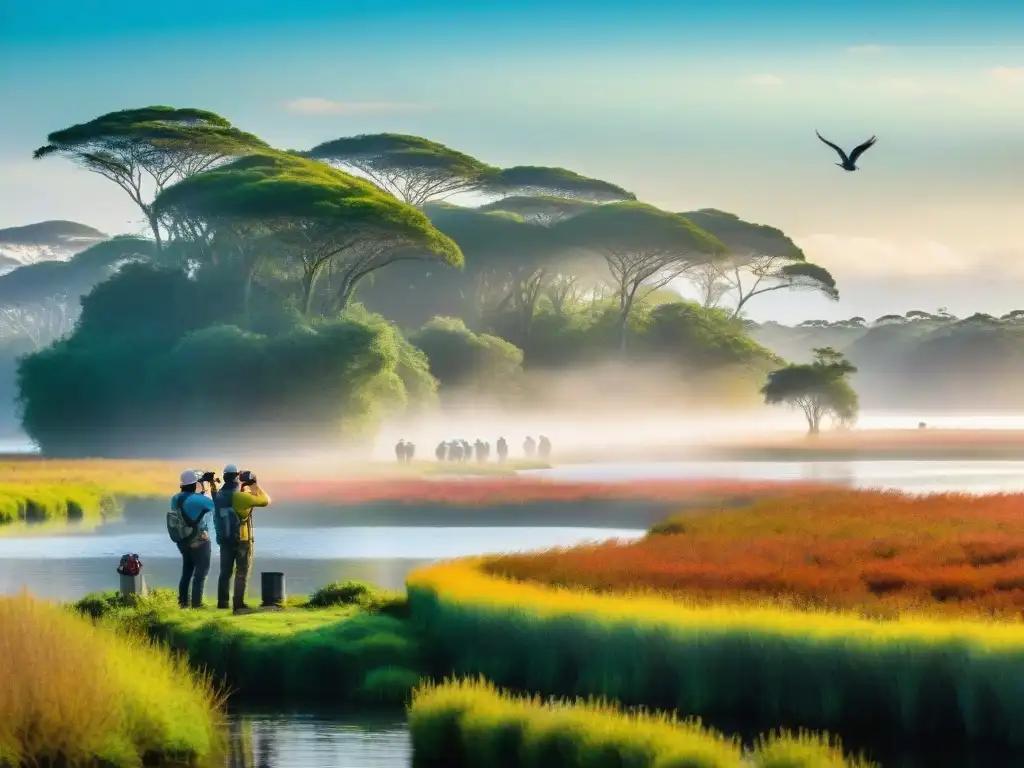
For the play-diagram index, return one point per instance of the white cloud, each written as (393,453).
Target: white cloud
(875,257)
(319,106)
(768,80)
(865,49)
(1007,75)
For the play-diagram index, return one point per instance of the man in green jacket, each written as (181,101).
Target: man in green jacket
(235,502)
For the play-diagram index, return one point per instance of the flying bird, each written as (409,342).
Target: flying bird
(849,163)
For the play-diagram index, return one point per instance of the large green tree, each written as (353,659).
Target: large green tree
(819,388)
(313,216)
(539,209)
(413,169)
(145,150)
(539,180)
(760,259)
(643,247)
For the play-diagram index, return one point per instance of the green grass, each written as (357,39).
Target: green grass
(351,648)
(471,724)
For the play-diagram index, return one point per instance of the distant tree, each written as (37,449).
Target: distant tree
(813,324)
(1014,316)
(311,215)
(917,314)
(41,322)
(536,180)
(980,318)
(890,320)
(644,249)
(145,150)
(818,389)
(33,284)
(413,169)
(712,287)
(540,209)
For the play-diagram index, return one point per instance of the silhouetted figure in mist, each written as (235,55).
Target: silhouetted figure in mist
(410,451)
(441,452)
(400,450)
(455,451)
(849,163)
(502,450)
(487,451)
(467,450)
(529,447)
(478,449)
(544,448)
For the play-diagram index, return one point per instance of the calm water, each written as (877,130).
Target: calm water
(66,566)
(910,476)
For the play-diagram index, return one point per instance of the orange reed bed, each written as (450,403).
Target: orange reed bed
(486,492)
(874,551)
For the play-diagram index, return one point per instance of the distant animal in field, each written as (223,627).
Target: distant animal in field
(849,161)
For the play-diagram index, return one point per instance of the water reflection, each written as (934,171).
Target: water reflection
(66,567)
(910,476)
(259,740)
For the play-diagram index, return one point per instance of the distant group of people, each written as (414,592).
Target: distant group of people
(201,496)
(480,450)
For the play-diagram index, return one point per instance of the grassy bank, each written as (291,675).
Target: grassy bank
(942,679)
(878,553)
(348,644)
(75,693)
(470,724)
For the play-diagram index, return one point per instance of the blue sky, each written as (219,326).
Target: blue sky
(689,105)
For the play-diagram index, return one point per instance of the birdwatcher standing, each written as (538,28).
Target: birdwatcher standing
(188,525)
(235,502)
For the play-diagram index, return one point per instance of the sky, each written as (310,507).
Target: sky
(688,105)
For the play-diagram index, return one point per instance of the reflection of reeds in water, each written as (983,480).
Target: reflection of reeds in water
(240,748)
(252,744)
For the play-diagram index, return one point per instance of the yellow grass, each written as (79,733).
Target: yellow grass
(76,692)
(474,721)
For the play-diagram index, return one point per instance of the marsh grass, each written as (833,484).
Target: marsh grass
(471,724)
(72,692)
(947,680)
(350,648)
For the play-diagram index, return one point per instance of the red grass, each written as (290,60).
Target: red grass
(875,551)
(486,492)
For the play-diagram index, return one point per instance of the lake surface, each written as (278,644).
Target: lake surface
(67,565)
(910,476)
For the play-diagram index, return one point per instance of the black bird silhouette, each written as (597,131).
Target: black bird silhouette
(849,163)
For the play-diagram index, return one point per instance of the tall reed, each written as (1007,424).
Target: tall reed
(471,724)
(949,680)
(72,692)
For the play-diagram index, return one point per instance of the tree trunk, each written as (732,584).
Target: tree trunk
(154,224)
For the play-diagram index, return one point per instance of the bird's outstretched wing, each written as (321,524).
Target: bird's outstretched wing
(862,149)
(837,149)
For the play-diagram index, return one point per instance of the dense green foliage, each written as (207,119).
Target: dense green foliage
(184,356)
(275,287)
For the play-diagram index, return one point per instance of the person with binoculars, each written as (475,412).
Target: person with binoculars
(234,503)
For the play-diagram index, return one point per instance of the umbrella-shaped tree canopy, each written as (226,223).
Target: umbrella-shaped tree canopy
(313,213)
(532,180)
(412,168)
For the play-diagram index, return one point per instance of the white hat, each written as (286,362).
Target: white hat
(230,469)
(189,477)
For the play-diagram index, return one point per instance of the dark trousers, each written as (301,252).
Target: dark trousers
(195,566)
(235,559)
